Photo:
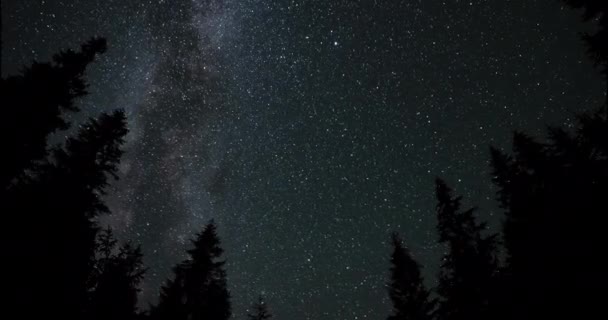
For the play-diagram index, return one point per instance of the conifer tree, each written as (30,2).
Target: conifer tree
(468,267)
(34,104)
(408,294)
(198,289)
(554,195)
(59,207)
(596,42)
(116,280)
(52,197)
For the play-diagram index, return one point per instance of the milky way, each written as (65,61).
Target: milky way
(309,130)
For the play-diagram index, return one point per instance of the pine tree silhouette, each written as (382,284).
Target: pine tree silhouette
(554,196)
(198,289)
(58,207)
(116,278)
(469,266)
(34,103)
(259,310)
(596,43)
(411,300)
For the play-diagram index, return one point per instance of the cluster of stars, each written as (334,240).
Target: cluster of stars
(309,130)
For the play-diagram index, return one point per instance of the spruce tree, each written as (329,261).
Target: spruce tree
(408,294)
(198,289)
(469,265)
(116,280)
(52,197)
(554,196)
(596,42)
(59,207)
(34,106)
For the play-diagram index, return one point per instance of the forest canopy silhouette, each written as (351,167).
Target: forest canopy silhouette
(545,262)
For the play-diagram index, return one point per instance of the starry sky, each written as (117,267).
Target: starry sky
(309,130)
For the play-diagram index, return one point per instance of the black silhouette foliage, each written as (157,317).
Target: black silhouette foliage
(198,289)
(64,199)
(116,280)
(596,11)
(469,266)
(554,197)
(411,300)
(34,104)
(52,197)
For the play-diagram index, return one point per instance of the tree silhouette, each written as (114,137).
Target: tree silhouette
(554,197)
(408,294)
(58,207)
(198,289)
(115,280)
(553,193)
(259,310)
(34,103)
(468,267)
(51,198)
(595,10)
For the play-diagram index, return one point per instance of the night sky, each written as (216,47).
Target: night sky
(309,130)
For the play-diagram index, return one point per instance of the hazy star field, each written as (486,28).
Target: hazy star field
(309,130)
